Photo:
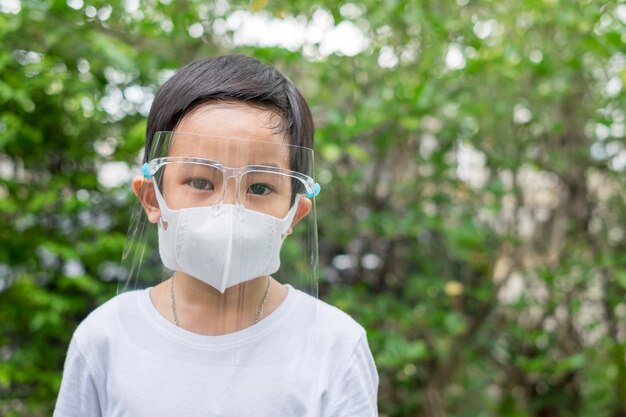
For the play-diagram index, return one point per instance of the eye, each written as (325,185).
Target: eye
(260,189)
(200,184)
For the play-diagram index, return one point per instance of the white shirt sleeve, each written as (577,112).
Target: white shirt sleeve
(355,392)
(78,395)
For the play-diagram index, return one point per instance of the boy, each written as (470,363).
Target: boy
(226,179)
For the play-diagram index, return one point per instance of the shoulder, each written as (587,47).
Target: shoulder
(104,322)
(96,340)
(334,332)
(337,321)
(329,320)
(341,347)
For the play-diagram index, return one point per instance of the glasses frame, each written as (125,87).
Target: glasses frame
(150,169)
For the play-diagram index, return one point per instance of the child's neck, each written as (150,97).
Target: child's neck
(202,309)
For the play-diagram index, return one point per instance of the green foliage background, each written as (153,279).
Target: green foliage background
(472,158)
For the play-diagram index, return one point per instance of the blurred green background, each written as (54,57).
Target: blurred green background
(471,155)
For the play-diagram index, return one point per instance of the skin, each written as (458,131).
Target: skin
(201,308)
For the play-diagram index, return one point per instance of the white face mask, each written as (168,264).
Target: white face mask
(222,246)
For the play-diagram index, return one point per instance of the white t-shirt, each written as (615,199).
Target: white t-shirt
(125,359)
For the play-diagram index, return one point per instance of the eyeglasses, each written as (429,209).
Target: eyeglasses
(196,182)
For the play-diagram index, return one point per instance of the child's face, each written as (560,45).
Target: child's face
(236,136)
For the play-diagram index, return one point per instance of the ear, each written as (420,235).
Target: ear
(304,208)
(145,193)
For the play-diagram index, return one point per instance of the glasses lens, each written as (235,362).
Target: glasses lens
(185,184)
(266,192)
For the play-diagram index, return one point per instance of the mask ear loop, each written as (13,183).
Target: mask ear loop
(316,190)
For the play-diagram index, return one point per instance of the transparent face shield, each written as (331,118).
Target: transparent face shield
(233,222)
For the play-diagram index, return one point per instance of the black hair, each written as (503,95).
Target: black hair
(233,78)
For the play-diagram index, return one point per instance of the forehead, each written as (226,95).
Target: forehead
(234,134)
